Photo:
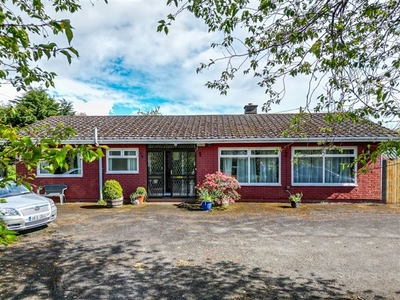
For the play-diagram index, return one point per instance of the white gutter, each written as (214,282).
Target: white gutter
(235,140)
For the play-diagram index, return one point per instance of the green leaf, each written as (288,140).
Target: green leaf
(68,30)
(47,141)
(28,142)
(36,154)
(2,17)
(7,236)
(100,152)
(74,51)
(67,55)
(60,157)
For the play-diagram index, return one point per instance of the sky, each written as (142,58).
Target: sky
(125,65)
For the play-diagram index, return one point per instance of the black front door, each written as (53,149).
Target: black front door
(171,172)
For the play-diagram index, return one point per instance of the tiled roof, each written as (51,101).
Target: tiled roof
(214,128)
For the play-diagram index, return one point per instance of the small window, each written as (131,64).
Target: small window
(122,161)
(233,152)
(264,152)
(114,153)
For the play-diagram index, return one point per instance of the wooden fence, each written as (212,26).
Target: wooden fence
(391,181)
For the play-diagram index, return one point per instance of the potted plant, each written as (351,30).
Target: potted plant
(113,193)
(220,187)
(295,199)
(225,201)
(140,194)
(205,198)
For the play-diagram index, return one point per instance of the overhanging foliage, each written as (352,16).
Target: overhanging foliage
(348,49)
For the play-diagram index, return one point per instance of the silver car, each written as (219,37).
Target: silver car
(21,209)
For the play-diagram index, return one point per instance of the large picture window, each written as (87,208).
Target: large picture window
(323,166)
(74,168)
(122,161)
(251,166)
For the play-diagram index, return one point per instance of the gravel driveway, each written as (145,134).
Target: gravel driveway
(251,251)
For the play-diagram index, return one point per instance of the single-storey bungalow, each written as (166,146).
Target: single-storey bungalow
(169,155)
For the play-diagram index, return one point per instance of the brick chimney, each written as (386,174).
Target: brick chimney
(250,109)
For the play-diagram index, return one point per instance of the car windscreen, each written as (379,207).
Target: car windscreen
(12,190)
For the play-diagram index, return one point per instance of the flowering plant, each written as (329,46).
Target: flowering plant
(295,197)
(218,187)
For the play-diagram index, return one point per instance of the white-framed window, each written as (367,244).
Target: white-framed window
(123,160)
(74,168)
(251,166)
(316,166)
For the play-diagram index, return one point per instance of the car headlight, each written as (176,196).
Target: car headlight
(9,212)
(52,203)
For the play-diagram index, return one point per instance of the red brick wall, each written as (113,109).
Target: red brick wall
(207,161)
(130,182)
(368,185)
(86,188)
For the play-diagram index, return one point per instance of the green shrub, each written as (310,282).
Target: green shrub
(102,202)
(140,191)
(112,190)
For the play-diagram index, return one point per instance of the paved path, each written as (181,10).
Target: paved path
(251,251)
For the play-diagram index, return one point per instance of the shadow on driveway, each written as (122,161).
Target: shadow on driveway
(113,272)
(162,252)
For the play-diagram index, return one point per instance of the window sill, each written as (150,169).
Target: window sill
(260,184)
(60,176)
(326,184)
(122,172)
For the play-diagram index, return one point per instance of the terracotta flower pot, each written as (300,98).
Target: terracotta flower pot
(140,198)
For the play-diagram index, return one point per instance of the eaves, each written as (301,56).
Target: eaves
(231,141)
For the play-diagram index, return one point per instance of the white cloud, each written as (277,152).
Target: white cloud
(90,99)
(7,93)
(125,64)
